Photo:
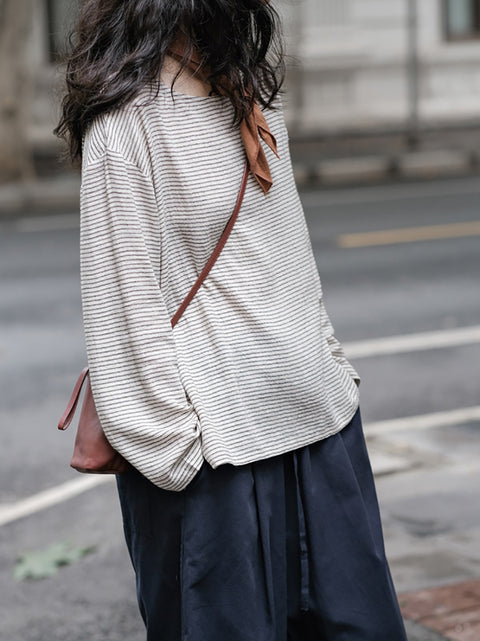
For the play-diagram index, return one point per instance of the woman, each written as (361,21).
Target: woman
(250,512)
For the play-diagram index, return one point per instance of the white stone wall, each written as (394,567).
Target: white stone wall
(354,76)
(350,71)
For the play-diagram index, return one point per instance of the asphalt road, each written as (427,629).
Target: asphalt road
(427,480)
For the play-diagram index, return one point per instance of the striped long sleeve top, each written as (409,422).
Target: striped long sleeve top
(252,369)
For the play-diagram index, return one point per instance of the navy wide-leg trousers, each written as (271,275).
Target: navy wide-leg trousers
(285,549)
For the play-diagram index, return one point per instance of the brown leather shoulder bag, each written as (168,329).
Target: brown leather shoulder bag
(92,453)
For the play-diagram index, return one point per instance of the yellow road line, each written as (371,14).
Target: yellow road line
(409,235)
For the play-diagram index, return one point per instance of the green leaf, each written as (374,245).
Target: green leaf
(45,563)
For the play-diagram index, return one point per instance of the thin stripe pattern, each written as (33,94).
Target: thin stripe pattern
(253,368)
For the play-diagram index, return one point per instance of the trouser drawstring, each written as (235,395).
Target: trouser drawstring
(303,543)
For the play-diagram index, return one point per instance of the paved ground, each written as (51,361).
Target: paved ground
(452,610)
(427,472)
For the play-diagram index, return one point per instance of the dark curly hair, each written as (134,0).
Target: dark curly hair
(120,45)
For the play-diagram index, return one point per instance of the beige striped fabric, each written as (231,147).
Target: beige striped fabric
(253,368)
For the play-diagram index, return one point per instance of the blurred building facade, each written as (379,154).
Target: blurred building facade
(356,64)
(359,64)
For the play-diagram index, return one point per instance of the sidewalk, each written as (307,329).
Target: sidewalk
(450,612)
(427,482)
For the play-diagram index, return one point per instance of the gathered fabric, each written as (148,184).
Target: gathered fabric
(285,549)
(253,129)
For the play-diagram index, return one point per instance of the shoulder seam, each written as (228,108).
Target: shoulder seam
(108,151)
(100,133)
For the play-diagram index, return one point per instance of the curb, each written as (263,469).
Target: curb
(62,193)
(416,165)
(53,195)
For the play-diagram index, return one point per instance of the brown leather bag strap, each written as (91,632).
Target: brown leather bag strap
(73,402)
(216,252)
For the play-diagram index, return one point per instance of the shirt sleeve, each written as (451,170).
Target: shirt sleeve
(135,378)
(335,346)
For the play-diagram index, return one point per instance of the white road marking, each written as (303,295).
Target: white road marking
(413,342)
(48,223)
(390,345)
(49,498)
(424,421)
